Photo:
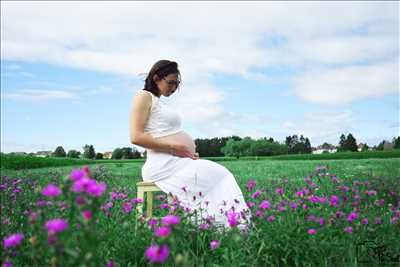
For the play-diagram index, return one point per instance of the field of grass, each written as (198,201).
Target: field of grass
(315,235)
(18,162)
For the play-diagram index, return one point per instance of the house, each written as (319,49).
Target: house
(360,147)
(107,155)
(387,145)
(43,154)
(323,148)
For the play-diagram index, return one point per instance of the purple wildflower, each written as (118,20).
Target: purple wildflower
(56,225)
(157,254)
(256,194)
(348,229)
(162,231)
(170,220)
(214,244)
(250,185)
(312,231)
(51,190)
(264,204)
(13,240)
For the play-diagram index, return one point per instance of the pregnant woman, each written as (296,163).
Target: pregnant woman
(172,162)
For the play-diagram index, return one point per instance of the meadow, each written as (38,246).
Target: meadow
(337,212)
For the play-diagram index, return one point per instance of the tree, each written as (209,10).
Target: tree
(99,155)
(396,142)
(296,145)
(307,146)
(342,143)
(348,143)
(89,152)
(326,146)
(351,143)
(73,153)
(59,152)
(117,153)
(365,148)
(380,145)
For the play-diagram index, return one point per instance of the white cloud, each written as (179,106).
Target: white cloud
(321,125)
(38,95)
(119,37)
(214,38)
(100,90)
(347,84)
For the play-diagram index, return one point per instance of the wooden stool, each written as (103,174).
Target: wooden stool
(148,188)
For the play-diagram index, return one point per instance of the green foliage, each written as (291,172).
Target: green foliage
(73,154)
(250,147)
(125,153)
(298,146)
(348,143)
(342,155)
(212,147)
(18,162)
(89,152)
(396,142)
(118,236)
(59,152)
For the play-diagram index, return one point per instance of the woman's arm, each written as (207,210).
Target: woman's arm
(139,115)
(138,118)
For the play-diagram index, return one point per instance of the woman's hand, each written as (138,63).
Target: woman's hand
(183,151)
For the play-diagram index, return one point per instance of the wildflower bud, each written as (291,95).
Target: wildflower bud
(88,256)
(179,259)
(33,240)
(53,261)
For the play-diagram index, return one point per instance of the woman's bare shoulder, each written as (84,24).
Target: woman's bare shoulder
(142,98)
(143,94)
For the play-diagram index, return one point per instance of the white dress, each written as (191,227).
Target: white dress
(196,183)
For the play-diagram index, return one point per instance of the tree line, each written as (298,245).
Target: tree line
(235,146)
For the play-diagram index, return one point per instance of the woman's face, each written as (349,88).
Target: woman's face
(168,84)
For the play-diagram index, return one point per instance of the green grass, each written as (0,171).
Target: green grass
(18,162)
(126,174)
(281,243)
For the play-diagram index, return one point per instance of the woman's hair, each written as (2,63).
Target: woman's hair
(162,68)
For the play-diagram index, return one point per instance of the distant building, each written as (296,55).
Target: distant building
(43,154)
(387,145)
(321,149)
(360,147)
(19,153)
(107,155)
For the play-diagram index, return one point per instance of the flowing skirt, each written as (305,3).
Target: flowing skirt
(201,185)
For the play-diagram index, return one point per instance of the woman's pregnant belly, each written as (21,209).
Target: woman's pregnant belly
(180,138)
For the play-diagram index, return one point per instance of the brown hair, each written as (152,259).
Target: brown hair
(161,68)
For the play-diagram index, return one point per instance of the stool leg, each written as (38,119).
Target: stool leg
(149,204)
(139,206)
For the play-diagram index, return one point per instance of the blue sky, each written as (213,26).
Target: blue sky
(266,69)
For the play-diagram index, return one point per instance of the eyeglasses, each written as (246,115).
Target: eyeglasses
(171,82)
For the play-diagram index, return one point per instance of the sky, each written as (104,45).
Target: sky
(70,70)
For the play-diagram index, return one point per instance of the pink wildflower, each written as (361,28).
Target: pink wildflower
(214,244)
(13,240)
(312,231)
(157,254)
(56,225)
(51,190)
(256,194)
(264,204)
(348,229)
(162,231)
(170,220)
(87,215)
